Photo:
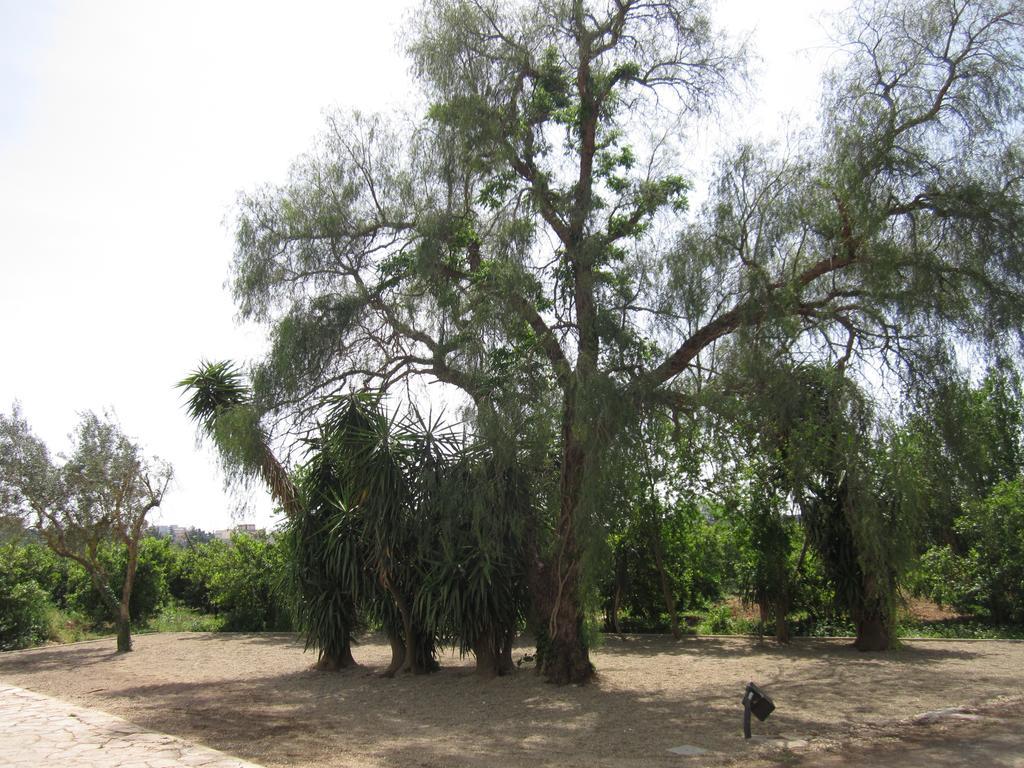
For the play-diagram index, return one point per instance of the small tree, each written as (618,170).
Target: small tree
(100,495)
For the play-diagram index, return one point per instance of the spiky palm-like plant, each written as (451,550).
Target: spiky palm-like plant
(400,521)
(220,403)
(325,564)
(369,453)
(435,519)
(474,588)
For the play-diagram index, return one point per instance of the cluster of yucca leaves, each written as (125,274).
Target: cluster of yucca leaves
(394,522)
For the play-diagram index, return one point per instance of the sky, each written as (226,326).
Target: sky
(127,130)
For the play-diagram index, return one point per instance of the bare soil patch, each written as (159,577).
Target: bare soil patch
(925,610)
(255,696)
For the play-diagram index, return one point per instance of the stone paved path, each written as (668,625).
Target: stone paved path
(37,730)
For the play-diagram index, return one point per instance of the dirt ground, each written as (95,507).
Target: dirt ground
(255,696)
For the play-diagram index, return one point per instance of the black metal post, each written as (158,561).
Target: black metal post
(746,716)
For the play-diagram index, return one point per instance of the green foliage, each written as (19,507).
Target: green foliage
(955,630)
(406,525)
(214,388)
(814,600)
(994,533)
(325,565)
(246,585)
(191,571)
(219,402)
(709,558)
(176,590)
(524,244)
(764,531)
(149,590)
(972,456)
(970,438)
(178,618)
(473,590)
(718,620)
(944,578)
(989,575)
(700,559)
(24,605)
(46,568)
(67,626)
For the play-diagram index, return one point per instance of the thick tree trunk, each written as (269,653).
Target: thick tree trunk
(493,651)
(418,651)
(411,657)
(613,616)
(411,650)
(505,664)
(486,658)
(872,632)
(124,630)
(872,618)
(118,610)
(566,659)
(124,619)
(339,659)
(397,652)
(425,651)
(562,655)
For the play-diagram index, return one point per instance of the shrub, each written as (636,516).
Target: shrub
(47,569)
(247,586)
(988,577)
(994,564)
(943,578)
(149,593)
(179,618)
(717,621)
(24,605)
(191,573)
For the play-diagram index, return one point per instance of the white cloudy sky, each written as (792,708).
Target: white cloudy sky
(127,130)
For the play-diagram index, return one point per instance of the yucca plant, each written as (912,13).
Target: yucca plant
(437,522)
(220,402)
(474,589)
(369,451)
(325,564)
(403,522)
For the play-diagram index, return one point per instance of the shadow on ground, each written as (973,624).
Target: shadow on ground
(256,696)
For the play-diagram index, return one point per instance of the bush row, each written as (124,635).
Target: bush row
(238,581)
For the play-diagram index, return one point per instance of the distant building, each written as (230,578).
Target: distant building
(181,535)
(246,529)
(176,533)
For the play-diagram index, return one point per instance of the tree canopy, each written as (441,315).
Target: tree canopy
(528,239)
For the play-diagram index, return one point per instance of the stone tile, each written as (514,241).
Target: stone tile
(39,730)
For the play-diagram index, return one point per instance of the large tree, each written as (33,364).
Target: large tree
(99,496)
(527,240)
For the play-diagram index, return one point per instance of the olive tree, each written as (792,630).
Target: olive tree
(100,494)
(528,238)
